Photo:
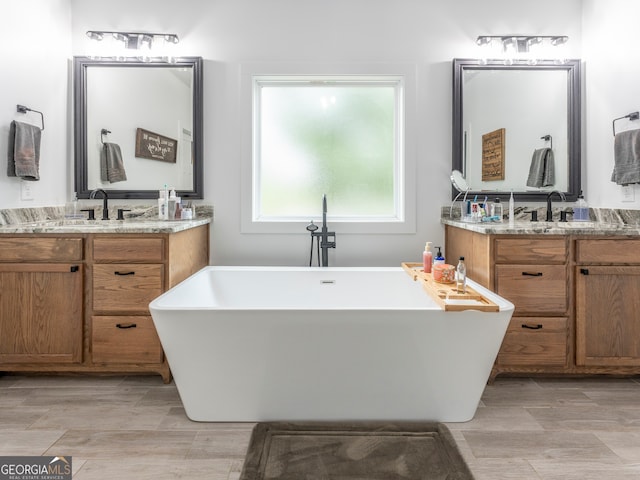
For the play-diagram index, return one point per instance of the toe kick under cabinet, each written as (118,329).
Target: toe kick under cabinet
(79,303)
(577,309)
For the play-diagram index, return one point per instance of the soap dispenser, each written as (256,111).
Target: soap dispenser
(427,258)
(581,209)
(439,257)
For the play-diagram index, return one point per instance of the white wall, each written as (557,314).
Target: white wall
(36,48)
(612,78)
(228,33)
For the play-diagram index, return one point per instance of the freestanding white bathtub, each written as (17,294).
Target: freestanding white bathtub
(288,343)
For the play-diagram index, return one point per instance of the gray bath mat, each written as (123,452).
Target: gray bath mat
(353,451)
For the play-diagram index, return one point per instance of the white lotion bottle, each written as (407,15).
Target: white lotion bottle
(163,204)
(171,204)
(511,210)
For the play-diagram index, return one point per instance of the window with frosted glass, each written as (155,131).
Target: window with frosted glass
(339,138)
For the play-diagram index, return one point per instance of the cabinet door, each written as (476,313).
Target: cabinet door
(41,313)
(608,316)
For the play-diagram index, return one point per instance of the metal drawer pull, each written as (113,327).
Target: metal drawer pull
(531,274)
(125,273)
(126,325)
(532,327)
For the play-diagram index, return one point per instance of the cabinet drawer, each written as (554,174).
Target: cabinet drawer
(531,251)
(534,341)
(20,249)
(130,339)
(618,251)
(534,289)
(125,249)
(126,287)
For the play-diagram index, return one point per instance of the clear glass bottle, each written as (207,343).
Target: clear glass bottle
(71,209)
(461,276)
(496,210)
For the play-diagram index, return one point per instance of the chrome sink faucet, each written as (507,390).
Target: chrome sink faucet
(323,237)
(549,210)
(105,206)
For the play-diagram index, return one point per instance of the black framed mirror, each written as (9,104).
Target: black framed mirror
(506,118)
(149,114)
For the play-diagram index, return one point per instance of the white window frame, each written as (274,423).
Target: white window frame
(252,76)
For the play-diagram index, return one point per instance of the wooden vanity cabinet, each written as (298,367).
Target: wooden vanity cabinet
(532,272)
(577,307)
(127,271)
(608,302)
(122,331)
(79,303)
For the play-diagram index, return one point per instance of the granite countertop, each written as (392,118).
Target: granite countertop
(521,227)
(108,226)
(138,219)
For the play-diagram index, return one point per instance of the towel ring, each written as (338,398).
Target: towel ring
(548,138)
(631,116)
(103,132)
(23,109)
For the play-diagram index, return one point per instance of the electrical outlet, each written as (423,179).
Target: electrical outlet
(26,190)
(628,193)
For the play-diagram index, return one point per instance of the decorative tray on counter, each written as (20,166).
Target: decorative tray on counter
(446,295)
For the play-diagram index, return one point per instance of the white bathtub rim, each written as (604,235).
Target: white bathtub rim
(159,304)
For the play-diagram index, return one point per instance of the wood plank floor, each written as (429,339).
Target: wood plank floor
(135,427)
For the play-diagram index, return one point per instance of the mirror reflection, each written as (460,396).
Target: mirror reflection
(516,127)
(138,127)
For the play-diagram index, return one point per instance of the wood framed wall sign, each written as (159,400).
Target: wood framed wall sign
(493,155)
(155,146)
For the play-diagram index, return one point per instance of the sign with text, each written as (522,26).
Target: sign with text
(155,146)
(493,155)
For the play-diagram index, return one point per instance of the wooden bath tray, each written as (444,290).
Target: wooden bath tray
(441,292)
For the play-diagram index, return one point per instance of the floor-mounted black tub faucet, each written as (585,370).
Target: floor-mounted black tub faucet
(325,238)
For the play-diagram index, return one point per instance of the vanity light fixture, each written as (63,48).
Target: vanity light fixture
(526,48)
(140,42)
(134,40)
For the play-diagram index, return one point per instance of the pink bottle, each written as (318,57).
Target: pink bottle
(427,258)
